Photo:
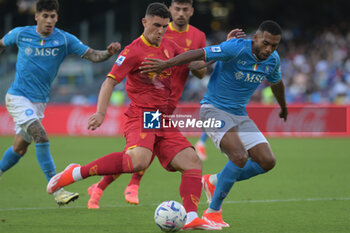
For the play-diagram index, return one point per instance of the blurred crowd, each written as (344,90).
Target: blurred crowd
(315,69)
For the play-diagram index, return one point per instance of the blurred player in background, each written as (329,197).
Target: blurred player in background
(148,93)
(187,37)
(241,66)
(41,50)
(200,146)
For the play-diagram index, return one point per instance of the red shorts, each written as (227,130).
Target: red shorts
(165,145)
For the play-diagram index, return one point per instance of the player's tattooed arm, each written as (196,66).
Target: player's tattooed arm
(102,55)
(37,131)
(278,92)
(2,45)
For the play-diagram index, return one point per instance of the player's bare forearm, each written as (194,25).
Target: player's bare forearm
(278,92)
(189,56)
(156,65)
(104,96)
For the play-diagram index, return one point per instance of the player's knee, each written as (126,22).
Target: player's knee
(20,149)
(268,163)
(186,160)
(139,165)
(239,157)
(41,138)
(37,132)
(194,161)
(140,158)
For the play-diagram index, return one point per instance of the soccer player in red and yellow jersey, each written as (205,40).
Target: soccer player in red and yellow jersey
(187,37)
(151,93)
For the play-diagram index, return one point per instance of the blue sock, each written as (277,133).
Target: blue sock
(225,182)
(250,169)
(9,159)
(203,137)
(45,160)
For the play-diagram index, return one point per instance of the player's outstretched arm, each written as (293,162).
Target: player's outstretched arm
(102,55)
(106,90)
(157,65)
(278,92)
(2,45)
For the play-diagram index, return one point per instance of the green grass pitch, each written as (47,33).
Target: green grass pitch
(307,192)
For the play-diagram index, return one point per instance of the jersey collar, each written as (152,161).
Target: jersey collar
(174,29)
(144,40)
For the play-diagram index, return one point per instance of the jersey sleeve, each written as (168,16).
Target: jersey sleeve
(225,51)
(75,46)
(203,41)
(276,74)
(123,65)
(11,37)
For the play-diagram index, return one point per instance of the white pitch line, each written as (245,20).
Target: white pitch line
(202,203)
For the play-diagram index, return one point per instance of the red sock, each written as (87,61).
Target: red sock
(136,178)
(111,164)
(106,180)
(191,188)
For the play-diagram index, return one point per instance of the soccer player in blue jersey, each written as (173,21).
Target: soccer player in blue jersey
(241,66)
(41,50)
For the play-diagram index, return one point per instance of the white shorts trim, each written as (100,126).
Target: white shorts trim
(248,132)
(24,112)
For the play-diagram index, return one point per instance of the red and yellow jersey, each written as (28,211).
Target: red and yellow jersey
(191,38)
(145,90)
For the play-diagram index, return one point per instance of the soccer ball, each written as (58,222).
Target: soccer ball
(170,216)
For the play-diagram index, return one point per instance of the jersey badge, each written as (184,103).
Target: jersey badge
(239,75)
(215,49)
(28,51)
(120,60)
(42,42)
(188,42)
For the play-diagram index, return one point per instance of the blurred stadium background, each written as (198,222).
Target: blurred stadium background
(315,50)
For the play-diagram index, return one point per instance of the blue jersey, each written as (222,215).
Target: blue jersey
(38,59)
(237,74)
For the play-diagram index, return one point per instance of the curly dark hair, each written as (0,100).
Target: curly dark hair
(49,5)
(271,27)
(158,9)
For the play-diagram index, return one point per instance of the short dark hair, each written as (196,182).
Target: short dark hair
(271,27)
(158,9)
(182,1)
(49,5)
